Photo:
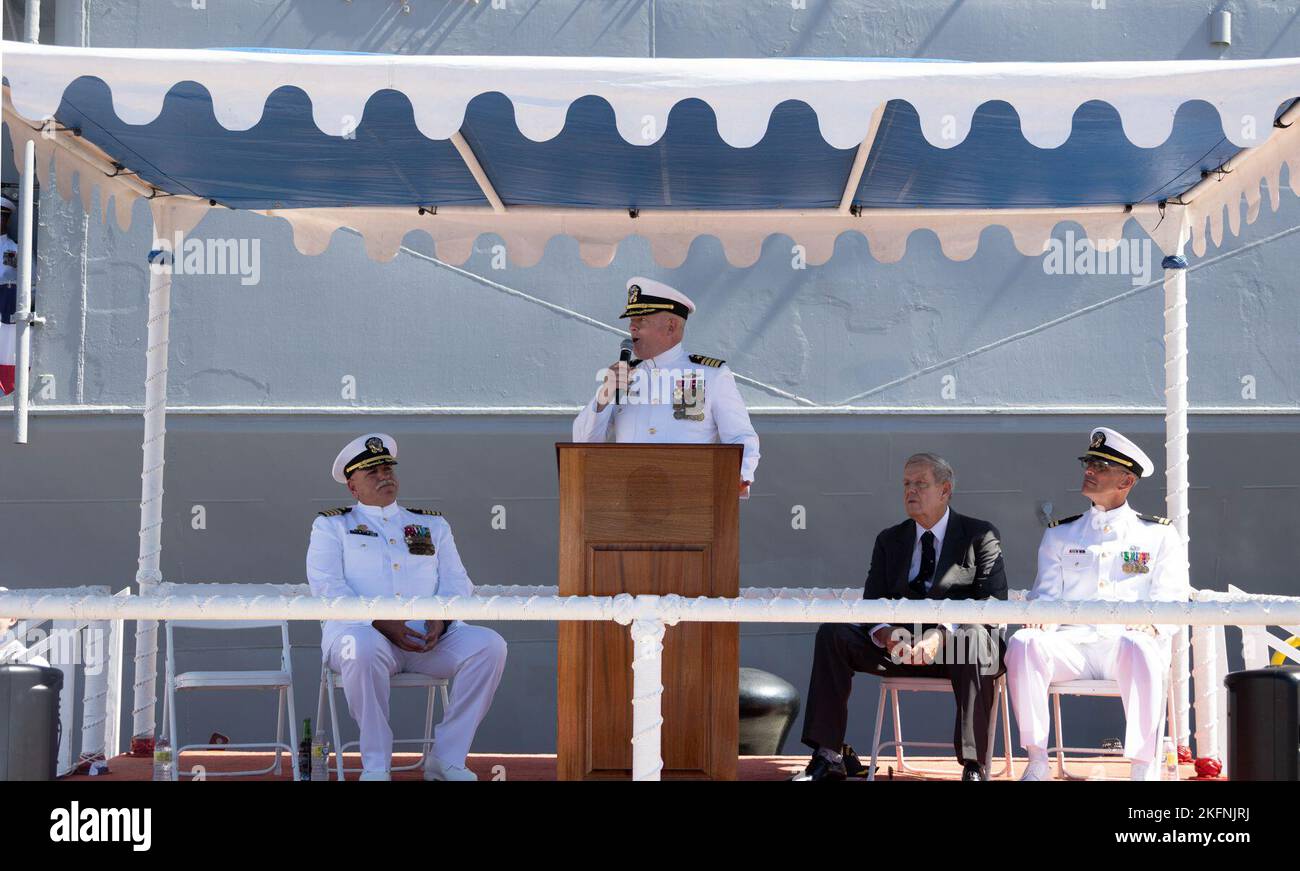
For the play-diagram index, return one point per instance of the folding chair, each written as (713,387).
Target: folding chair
(1100,689)
(892,686)
(280,681)
(330,683)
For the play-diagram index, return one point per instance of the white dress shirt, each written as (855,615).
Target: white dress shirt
(343,560)
(1113,556)
(939,530)
(647,414)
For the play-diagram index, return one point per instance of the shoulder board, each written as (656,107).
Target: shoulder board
(335,512)
(1064,520)
(700,359)
(427,511)
(1154,518)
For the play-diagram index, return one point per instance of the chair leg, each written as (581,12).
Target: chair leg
(170,702)
(334,724)
(279,728)
(875,741)
(1060,742)
(293,733)
(1006,728)
(426,749)
(898,731)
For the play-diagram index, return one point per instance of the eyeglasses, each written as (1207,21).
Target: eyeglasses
(1099,465)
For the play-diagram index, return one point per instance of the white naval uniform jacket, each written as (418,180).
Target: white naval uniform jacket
(343,561)
(1085,558)
(647,412)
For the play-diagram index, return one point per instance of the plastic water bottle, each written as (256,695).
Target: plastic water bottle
(163,763)
(320,755)
(1170,754)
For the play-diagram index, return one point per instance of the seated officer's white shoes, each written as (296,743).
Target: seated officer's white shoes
(436,769)
(376,775)
(1037,770)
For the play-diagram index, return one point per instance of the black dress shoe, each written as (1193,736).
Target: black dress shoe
(821,768)
(853,766)
(973,771)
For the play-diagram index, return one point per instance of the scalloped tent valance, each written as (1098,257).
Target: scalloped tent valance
(667,149)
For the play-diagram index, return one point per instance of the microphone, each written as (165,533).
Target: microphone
(624,356)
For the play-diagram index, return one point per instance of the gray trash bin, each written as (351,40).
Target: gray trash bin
(29,722)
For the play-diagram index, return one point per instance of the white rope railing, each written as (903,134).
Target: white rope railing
(647,617)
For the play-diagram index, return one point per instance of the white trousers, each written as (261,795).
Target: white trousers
(471,657)
(1137,661)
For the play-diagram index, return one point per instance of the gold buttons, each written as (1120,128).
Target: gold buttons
(652,430)
(392,541)
(397,565)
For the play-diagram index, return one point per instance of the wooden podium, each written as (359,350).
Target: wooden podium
(649,519)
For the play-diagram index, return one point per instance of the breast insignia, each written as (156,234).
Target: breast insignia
(429,511)
(1064,520)
(701,360)
(335,512)
(1155,518)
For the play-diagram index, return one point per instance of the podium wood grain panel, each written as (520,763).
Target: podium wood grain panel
(643,520)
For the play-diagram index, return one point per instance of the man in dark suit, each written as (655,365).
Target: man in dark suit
(936,554)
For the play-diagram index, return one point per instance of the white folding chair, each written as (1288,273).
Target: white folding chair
(892,686)
(1099,689)
(280,681)
(330,683)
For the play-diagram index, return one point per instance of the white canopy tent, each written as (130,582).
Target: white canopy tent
(600,149)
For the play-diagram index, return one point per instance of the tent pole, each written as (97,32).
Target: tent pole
(149,573)
(1176,454)
(23,318)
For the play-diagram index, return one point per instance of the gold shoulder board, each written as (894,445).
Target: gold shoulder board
(1155,518)
(702,360)
(1064,520)
(335,512)
(427,511)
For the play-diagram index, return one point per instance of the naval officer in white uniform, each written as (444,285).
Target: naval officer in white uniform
(663,394)
(1109,553)
(377,548)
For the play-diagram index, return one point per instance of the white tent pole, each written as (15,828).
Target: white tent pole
(23,319)
(860,160)
(476,169)
(151,476)
(1176,455)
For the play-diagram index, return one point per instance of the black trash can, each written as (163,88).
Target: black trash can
(29,722)
(1264,723)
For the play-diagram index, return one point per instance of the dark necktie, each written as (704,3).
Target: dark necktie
(927,564)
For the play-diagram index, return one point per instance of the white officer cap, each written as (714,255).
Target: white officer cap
(1107,444)
(7,205)
(645,296)
(363,452)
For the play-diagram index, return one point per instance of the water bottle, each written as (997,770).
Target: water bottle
(320,756)
(1170,755)
(163,763)
(304,751)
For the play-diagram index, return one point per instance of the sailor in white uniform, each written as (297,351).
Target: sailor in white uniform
(664,395)
(377,548)
(1109,553)
(8,247)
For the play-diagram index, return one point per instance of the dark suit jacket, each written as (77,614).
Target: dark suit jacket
(969,566)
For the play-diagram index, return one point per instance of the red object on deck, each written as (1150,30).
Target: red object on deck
(1208,766)
(1185,756)
(141,745)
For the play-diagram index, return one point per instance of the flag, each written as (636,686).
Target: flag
(8,337)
